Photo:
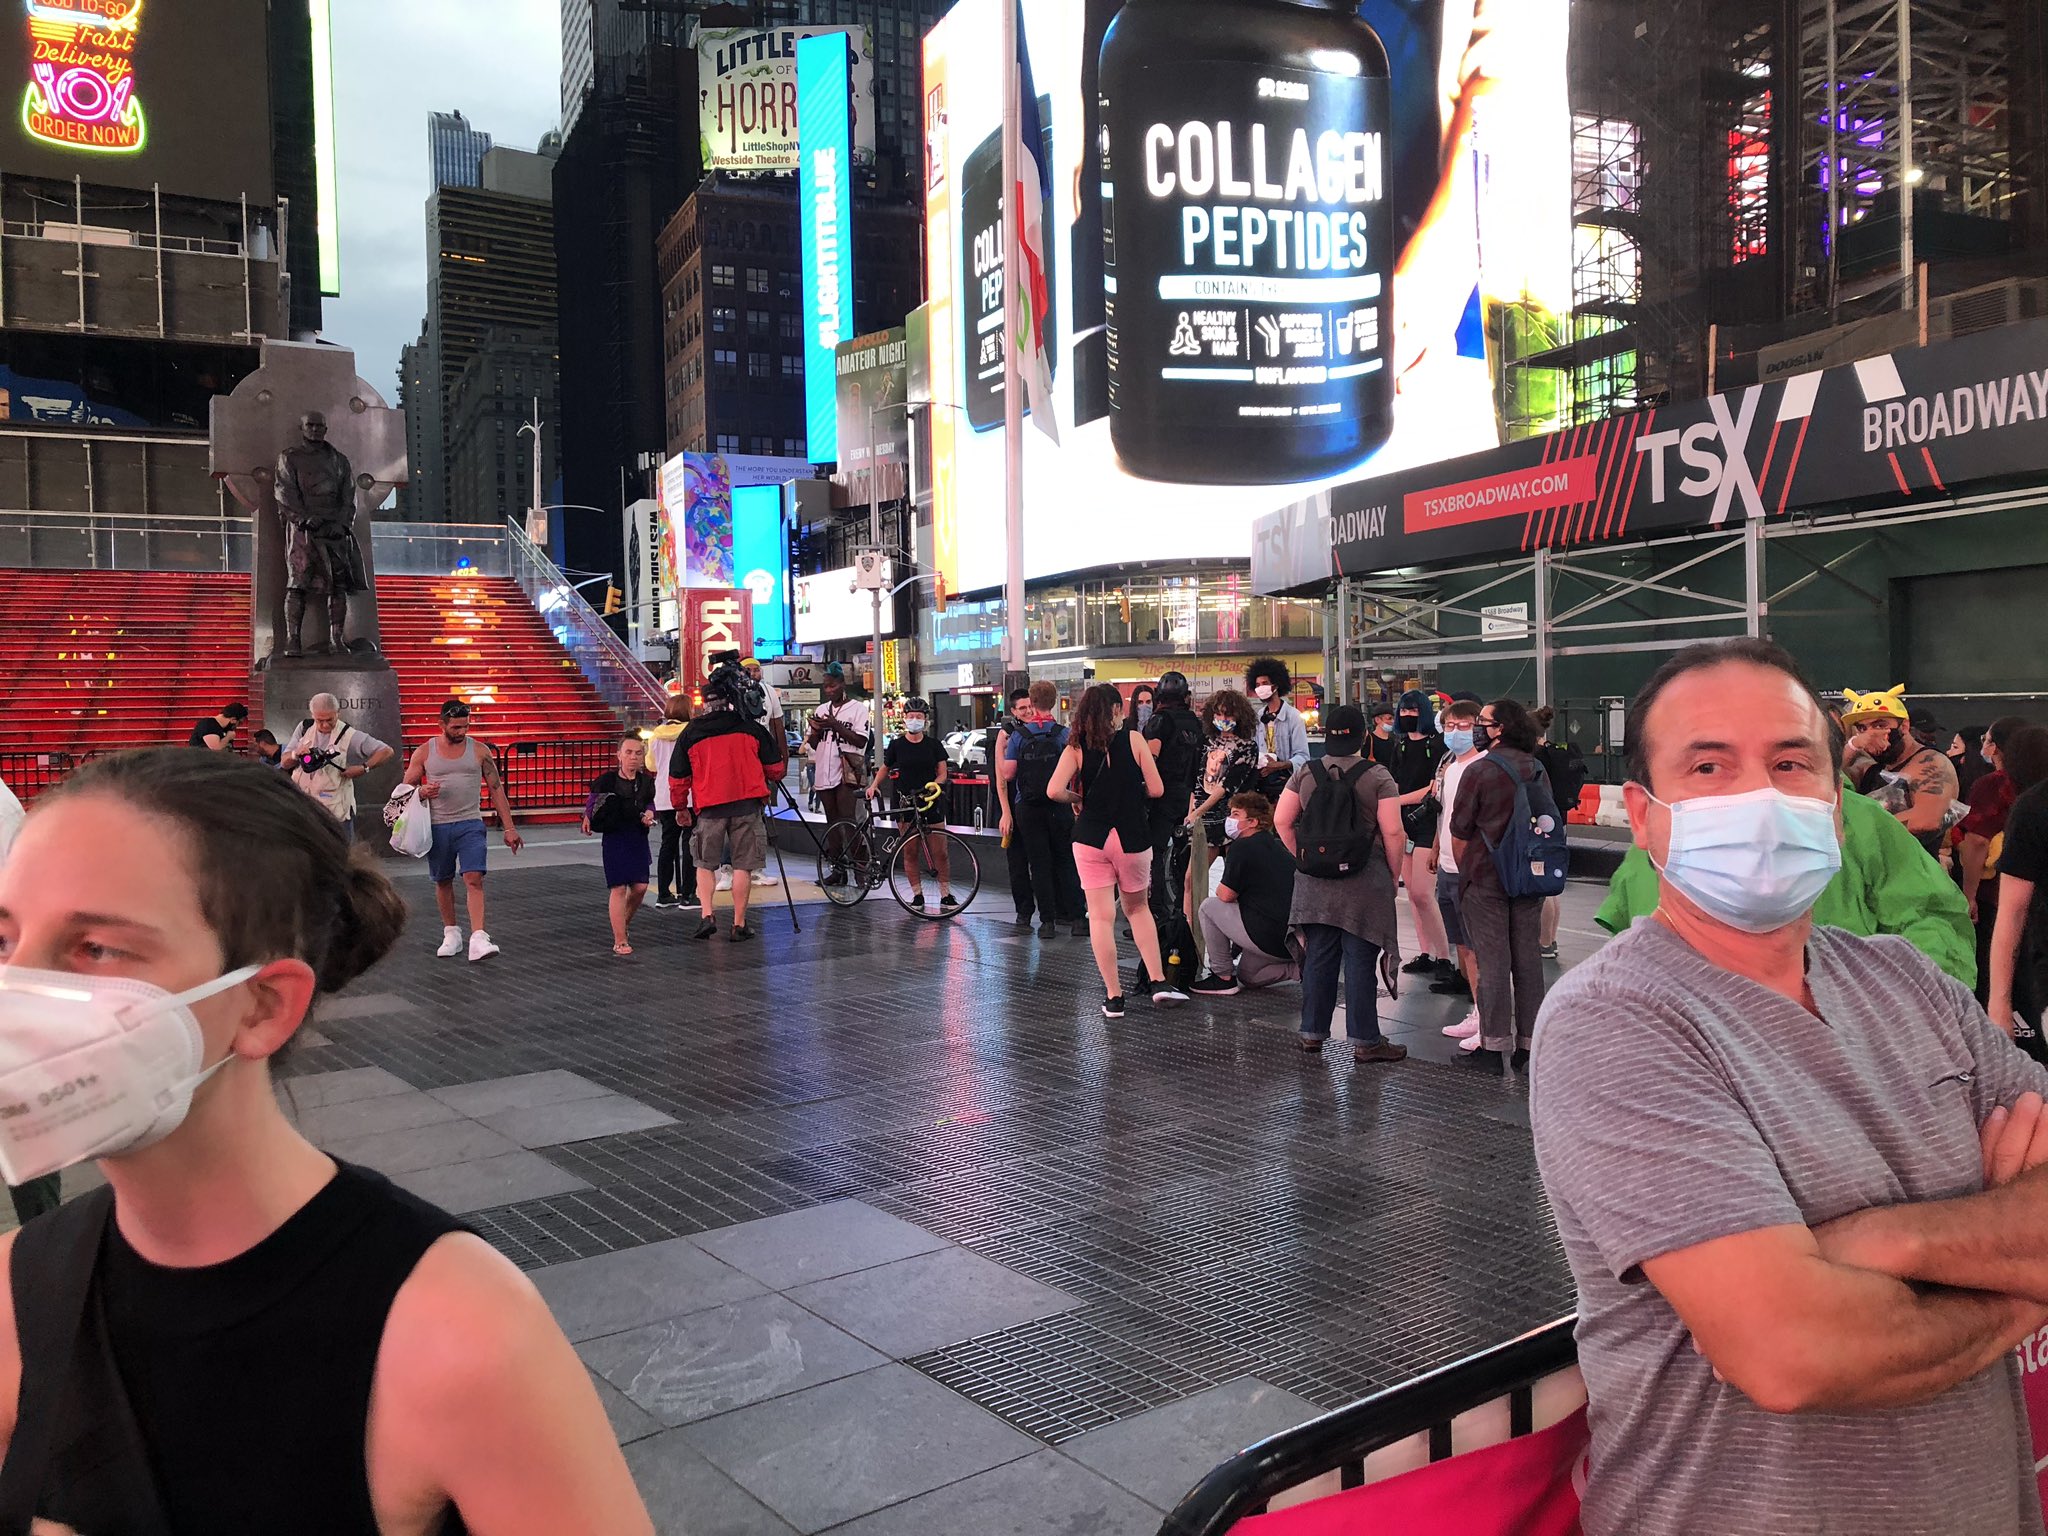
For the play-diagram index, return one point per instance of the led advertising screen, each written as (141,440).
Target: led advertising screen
(138,93)
(874,419)
(760,562)
(1264,280)
(748,104)
(825,207)
(830,607)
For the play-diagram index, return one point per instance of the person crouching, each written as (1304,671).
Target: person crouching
(1249,912)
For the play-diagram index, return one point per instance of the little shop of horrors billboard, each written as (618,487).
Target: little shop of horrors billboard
(1920,422)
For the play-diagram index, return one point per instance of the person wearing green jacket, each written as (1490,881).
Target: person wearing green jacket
(1887,884)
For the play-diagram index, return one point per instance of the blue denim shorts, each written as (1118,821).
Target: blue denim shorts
(457,845)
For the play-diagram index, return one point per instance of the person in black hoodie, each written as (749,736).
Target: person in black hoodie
(1178,742)
(1417,746)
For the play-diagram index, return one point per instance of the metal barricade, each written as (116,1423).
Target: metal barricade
(553,775)
(1338,1444)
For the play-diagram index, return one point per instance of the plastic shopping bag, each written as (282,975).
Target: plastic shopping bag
(412,825)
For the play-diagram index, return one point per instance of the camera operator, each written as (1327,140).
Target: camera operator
(721,770)
(327,755)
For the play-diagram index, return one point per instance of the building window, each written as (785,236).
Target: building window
(728,442)
(721,274)
(758,365)
(791,327)
(757,279)
(725,357)
(724,318)
(760,445)
(760,323)
(792,366)
(792,449)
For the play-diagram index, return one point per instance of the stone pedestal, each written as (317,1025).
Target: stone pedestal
(368,691)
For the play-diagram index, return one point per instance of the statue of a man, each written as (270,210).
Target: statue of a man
(316,498)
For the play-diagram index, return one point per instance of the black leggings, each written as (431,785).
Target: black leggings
(673,868)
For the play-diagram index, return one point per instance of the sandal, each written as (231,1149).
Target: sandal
(622,949)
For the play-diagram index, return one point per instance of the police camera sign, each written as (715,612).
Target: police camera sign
(1915,424)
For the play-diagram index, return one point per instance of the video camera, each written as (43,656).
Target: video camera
(313,759)
(729,682)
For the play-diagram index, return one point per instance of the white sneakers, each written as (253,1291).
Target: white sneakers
(1466,1028)
(480,945)
(724,880)
(762,877)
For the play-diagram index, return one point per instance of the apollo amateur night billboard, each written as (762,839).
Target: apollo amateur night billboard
(1917,422)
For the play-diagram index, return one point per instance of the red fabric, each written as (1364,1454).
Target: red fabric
(1523,1487)
(2033,1356)
(721,759)
(1991,799)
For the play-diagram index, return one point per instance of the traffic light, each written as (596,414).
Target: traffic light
(939,594)
(614,601)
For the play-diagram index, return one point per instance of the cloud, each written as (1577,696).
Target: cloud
(498,62)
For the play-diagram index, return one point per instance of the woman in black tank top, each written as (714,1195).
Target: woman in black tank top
(1109,773)
(239,1334)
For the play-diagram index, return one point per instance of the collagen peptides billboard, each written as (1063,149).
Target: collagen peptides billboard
(1284,253)
(138,93)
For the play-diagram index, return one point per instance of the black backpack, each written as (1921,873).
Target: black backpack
(1334,838)
(1180,749)
(1038,754)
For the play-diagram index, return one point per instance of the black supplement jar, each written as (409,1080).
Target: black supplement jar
(1248,255)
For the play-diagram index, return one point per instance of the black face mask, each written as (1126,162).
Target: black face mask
(1411,723)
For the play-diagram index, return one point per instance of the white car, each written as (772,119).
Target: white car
(956,745)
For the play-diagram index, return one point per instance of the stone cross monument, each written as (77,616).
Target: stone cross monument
(310,449)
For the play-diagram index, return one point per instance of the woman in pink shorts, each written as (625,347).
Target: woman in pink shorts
(1109,775)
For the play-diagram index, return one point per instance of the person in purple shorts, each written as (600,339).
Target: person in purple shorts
(620,810)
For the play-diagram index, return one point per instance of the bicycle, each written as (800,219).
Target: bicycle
(866,858)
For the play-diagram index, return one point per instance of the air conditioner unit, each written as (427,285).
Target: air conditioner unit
(1983,309)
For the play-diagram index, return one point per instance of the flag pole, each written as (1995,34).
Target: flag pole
(1015,658)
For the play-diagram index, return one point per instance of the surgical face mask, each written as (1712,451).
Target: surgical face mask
(913,725)
(94,1066)
(1382,727)
(1233,826)
(1144,714)
(1459,742)
(1754,861)
(1263,692)
(1225,724)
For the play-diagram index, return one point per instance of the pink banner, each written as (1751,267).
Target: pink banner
(1524,1487)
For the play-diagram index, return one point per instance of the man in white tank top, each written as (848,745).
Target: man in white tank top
(452,771)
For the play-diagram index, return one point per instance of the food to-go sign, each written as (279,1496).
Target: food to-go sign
(747,96)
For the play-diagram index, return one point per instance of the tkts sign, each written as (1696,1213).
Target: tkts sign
(1919,422)
(714,619)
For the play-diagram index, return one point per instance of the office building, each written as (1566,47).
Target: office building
(511,375)
(600,39)
(732,310)
(456,150)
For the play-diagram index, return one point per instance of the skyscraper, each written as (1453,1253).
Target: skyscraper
(456,150)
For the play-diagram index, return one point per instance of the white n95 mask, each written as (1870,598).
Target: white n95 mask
(93,1066)
(1755,861)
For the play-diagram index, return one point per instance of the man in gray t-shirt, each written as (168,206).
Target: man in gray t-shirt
(1768,1147)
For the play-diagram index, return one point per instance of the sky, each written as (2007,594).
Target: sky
(496,61)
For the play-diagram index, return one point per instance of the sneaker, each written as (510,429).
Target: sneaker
(706,930)
(1421,965)
(1386,1050)
(1547,951)
(1215,986)
(723,882)
(740,934)
(1452,985)
(1049,931)
(664,900)
(836,878)
(948,904)
(1079,930)
(480,946)
(762,877)
(1113,1008)
(917,902)
(1026,921)
(1466,1028)
(1166,995)
(1471,1045)
(1519,1062)
(688,899)
(451,943)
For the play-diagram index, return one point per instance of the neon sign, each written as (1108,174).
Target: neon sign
(81,91)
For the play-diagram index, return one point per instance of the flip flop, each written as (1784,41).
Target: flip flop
(622,949)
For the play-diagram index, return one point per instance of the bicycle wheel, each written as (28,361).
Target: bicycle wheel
(963,876)
(848,875)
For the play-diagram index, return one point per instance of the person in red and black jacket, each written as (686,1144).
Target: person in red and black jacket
(721,769)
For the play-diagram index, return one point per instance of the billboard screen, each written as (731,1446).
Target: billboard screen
(1269,281)
(760,561)
(748,102)
(874,422)
(139,93)
(825,209)
(830,607)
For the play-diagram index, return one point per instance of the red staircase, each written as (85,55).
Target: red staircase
(97,659)
(477,638)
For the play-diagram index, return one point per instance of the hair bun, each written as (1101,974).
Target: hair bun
(369,917)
